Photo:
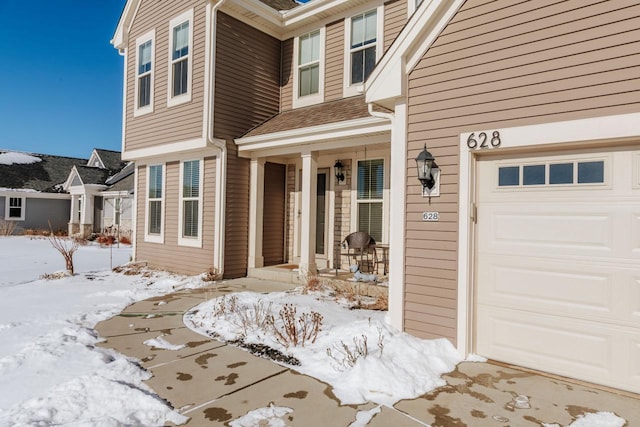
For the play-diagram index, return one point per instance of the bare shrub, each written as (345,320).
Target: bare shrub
(52,276)
(291,330)
(212,275)
(124,240)
(312,284)
(226,305)
(66,247)
(257,317)
(346,356)
(7,227)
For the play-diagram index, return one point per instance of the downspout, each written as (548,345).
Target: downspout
(221,158)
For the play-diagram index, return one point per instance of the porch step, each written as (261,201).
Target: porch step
(286,273)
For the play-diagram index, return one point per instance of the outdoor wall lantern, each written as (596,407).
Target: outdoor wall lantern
(428,173)
(338,167)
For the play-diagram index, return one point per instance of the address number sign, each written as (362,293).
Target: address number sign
(483,140)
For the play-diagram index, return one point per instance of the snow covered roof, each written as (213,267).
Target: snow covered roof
(37,172)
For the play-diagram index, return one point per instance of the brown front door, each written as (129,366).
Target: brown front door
(274,214)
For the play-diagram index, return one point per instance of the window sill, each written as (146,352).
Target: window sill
(190,242)
(307,100)
(151,238)
(137,112)
(178,100)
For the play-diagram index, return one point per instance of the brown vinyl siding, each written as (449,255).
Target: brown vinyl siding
(246,94)
(181,122)
(395,16)
(170,256)
(273,233)
(334,61)
(496,65)
(286,78)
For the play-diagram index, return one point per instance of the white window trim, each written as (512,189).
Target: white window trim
(183,240)
(139,111)
(115,210)
(413,5)
(317,98)
(23,207)
(185,97)
(358,88)
(155,238)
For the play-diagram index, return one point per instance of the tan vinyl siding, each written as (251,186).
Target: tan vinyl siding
(334,61)
(395,16)
(170,256)
(291,211)
(286,79)
(246,94)
(181,122)
(501,64)
(273,233)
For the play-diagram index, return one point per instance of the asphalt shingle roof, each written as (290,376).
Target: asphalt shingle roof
(321,114)
(280,4)
(92,175)
(48,175)
(112,159)
(125,184)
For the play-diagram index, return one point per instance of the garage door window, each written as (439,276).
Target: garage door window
(567,173)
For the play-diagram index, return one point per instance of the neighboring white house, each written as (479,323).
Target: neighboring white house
(101,195)
(31,193)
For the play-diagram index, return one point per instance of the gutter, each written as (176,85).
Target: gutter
(221,158)
(389,116)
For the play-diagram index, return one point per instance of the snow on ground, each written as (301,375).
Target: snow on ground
(397,365)
(27,258)
(50,370)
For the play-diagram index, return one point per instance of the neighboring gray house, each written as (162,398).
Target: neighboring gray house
(31,191)
(101,195)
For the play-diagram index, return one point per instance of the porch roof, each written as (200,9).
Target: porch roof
(321,114)
(333,125)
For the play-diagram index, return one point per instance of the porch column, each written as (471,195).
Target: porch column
(86,220)
(74,209)
(397,218)
(256,206)
(308,217)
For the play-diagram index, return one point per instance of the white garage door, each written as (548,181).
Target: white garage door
(558,264)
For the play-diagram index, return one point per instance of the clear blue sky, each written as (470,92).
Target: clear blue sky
(60,78)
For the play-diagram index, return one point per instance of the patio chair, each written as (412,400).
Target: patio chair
(362,248)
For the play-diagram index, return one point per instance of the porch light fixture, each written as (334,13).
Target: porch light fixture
(338,167)
(426,165)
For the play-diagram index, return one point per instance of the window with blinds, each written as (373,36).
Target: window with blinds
(190,198)
(155,199)
(370,197)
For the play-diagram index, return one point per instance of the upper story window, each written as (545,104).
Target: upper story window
(144,74)
(180,61)
(309,64)
(363,45)
(363,49)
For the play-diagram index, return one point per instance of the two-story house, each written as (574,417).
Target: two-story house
(236,112)
(265,131)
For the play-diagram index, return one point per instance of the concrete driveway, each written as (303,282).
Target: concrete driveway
(214,383)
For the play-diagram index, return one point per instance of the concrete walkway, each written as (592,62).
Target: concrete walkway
(214,383)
